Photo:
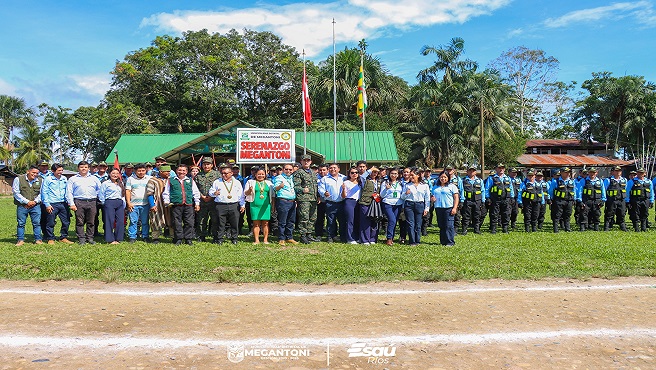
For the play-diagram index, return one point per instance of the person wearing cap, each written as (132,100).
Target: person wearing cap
(81,194)
(53,197)
(159,161)
(102,176)
(128,171)
(111,196)
(182,195)
(640,197)
(514,210)
(529,199)
(229,202)
(539,179)
(137,202)
(306,189)
(206,218)
(149,168)
(562,192)
(159,216)
(473,196)
(615,209)
(457,181)
(498,194)
(369,195)
(93,168)
(27,197)
(590,196)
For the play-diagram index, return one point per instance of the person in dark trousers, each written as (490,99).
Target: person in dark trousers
(498,194)
(640,197)
(529,198)
(229,201)
(562,192)
(182,195)
(81,194)
(615,210)
(590,196)
(445,198)
(514,210)
(473,197)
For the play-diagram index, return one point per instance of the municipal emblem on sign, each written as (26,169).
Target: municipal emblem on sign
(236,353)
(285,136)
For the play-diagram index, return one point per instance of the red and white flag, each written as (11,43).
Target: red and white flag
(116,163)
(307,112)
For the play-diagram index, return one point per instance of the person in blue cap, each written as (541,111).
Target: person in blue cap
(615,209)
(498,194)
(640,197)
(529,199)
(590,196)
(539,178)
(562,192)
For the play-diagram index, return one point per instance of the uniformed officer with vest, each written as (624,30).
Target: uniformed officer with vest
(516,183)
(499,193)
(539,179)
(562,191)
(305,186)
(472,197)
(615,209)
(206,218)
(529,198)
(590,196)
(640,197)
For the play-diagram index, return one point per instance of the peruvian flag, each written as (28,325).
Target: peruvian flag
(307,112)
(116,164)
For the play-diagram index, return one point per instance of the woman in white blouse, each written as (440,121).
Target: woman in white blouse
(416,197)
(391,191)
(351,194)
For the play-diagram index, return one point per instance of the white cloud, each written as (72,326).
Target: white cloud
(640,9)
(95,85)
(309,26)
(6,88)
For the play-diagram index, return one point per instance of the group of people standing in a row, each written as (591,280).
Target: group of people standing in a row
(314,200)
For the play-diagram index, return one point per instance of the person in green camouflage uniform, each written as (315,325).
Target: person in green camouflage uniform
(206,219)
(305,186)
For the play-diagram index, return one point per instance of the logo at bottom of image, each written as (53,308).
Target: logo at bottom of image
(373,354)
(239,352)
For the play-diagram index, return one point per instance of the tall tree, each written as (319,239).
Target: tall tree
(528,71)
(34,144)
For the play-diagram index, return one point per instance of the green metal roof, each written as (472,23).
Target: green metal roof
(381,146)
(137,148)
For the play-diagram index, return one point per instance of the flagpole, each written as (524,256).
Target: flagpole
(304,120)
(364,130)
(334,96)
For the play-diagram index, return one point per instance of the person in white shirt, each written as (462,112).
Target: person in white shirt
(391,191)
(228,195)
(351,194)
(81,195)
(137,202)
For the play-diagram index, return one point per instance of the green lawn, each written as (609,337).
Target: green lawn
(507,256)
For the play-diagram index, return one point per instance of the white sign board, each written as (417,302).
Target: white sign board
(265,146)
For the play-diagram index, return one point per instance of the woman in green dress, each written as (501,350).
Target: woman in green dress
(259,193)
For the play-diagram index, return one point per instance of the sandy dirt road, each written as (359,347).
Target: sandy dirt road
(595,324)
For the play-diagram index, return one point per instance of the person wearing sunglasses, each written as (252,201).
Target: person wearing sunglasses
(351,194)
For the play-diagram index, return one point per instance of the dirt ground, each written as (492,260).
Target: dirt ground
(595,324)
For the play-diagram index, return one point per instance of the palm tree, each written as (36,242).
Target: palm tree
(13,112)
(33,146)
(448,60)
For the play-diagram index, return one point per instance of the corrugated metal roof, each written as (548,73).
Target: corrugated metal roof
(381,146)
(137,148)
(557,160)
(562,143)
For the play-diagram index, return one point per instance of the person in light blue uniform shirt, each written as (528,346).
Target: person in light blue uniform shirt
(283,184)
(640,197)
(590,196)
(498,194)
(53,196)
(529,198)
(445,198)
(330,190)
(416,197)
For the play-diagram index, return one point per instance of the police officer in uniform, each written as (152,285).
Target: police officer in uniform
(472,197)
(539,179)
(640,197)
(206,218)
(562,191)
(305,186)
(514,210)
(529,198)
(590,196)
(615,210)
(498,194)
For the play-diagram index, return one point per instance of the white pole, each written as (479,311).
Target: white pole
(303,102)
(334,96)
(364,130)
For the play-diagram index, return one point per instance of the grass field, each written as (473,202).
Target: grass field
(517,255)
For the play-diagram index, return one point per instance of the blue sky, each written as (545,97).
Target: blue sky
(61,52)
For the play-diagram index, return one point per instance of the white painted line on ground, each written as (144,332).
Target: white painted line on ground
(18,340)
(306,293)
